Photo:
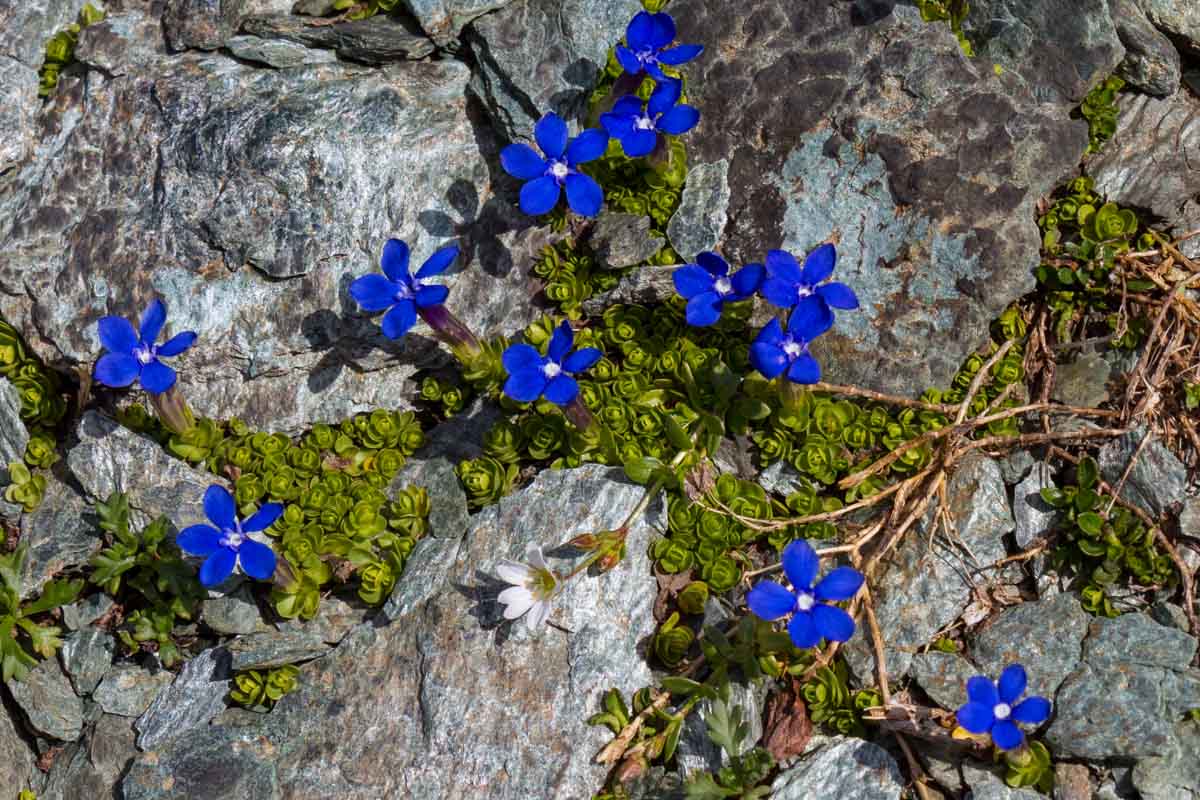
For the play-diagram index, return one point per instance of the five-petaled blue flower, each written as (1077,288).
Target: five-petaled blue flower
(402,293)
(227,545)
(708,286)
(134,355)
(812,618)
(775,351)
(530,375)
(645,39)
(788,286)
(992,708)
(638,129)
(548,176)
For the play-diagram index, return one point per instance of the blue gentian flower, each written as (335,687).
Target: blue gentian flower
(992,708)
(399,292)
(775,351)
(134,355)
(788,286)
(645,41)
(548,176)
(707,286)
(531,375)
(813,619)
(638,129)
(227,545)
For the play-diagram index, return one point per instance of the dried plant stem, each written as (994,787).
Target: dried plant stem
(892,400)
(614,751)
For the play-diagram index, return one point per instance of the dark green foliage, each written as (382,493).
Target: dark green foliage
(659,734)
(1100,110)
(746,771)
(60,49)
(833,704)
(671,641)
(260,690)
(448,398)
(26,488)
(1030,767)
(1104,545)
(18,630)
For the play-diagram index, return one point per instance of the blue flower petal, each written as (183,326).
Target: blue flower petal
(747,279)
(399,320)
(716,266)
(394,260)
(374,292)
(218,566)
(778,291)
(117,370)
(639,31)
(117,335)
(628,106)
(770,601)
(654,71)
(539,196)
(976,717)
(152,321)
(619,126)
(840,584)
(177,344)
(437,263)
(665,95)
(561,390)
(584,195)
(681,54)
(810,318)
(521,357)
(560,342)
(819,264)
(783,265)
(679,120)
(703,310)
(769,359)
(199,540)
(1006,735)
(525,386)
(522,161)
(431,296)
(981,690)
(639,142)
(803,630)
(804,369)
(772,333)
(1011,684)
(219,507)
(629,61)
(838,295)
(691,280)
(800,564)
(587,146)
(156,377)
(833,623)
(257,559)
(263,518)
(551,135)
(664,30)
(1031,711)
(581,360)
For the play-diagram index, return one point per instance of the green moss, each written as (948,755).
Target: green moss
(260,690)
(60,49)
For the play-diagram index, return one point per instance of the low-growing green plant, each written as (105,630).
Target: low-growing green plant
(953,13)
(747,770)
(833,704)
(261,689)
(1100,110)
(18,629)
(26,488)
(60,49)
(1031,767)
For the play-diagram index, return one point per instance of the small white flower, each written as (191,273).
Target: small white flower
(532,590)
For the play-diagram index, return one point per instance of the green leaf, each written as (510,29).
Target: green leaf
(639,470)
(1090,523)
(55,594)
(1088,473)
(676,435)
(681,687)
(704,787)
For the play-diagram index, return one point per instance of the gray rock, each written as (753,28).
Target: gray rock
(698,752)
(623,240)
(91,768)
(443,20)
(335,618)
(928,584)
(1073,782)
(1170,615)
(277,53)
(376,40)
(19,105)
(1124,700)
(842,767)
(944,677)
(121,44)
(1157,481)
(1082,382)
(925,186)
(196,696)
(86,611)
(536,56)
(402,694)
(1044,636)
(1151,62)
(1016,465)
(14,436)
(782,478)
(275,648)
(51,706)
(703,210)
(1175,776)
(128,691)
(16,756)
(1177,18)
(644,285)
(1034,517)
(989,785)
(208,24)
(448,510)
(1160,137)
(1060,48)
(61,534)
(86,656)
(36,22)
(232,613)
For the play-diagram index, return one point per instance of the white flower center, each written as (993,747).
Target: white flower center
(803,290)
(233,538)
(559,170)
(646,56)
(723,286)
(643,123)
(792,348)
(1001,711)
(144,355)
(551,370)
(805,601)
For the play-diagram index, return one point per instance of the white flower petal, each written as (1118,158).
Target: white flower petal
(535,557)
(512,572)
(538,615)
(516,600)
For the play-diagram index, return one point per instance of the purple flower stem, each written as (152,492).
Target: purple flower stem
(578,414)
(173,410)
(452,332)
